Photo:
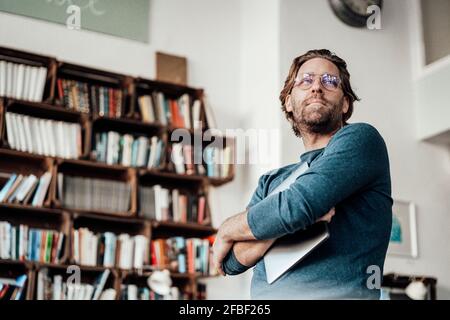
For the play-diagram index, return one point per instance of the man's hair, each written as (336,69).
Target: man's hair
(343,74)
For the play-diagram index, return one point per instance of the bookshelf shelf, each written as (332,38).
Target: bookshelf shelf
(84,85)
(171,226)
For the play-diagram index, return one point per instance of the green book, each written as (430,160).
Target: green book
(48,251)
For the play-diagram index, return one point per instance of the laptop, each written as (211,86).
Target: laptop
(289,250)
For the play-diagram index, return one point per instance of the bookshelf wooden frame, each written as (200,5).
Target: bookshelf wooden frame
(130,121)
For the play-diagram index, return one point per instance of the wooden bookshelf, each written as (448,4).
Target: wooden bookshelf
(53,214)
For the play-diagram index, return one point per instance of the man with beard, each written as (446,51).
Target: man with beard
(346,182)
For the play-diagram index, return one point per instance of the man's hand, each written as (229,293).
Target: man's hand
(220,249)
(328,216)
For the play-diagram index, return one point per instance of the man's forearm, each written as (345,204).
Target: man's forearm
(249,253)
(236,228)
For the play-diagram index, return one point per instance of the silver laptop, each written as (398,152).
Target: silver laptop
(291,249)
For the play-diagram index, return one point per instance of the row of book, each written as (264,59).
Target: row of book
(128,150)
(135,292)
(163,204)
(53,287)
(109,250)
(87,98)
(21,81)
(178,254)
(218,161)
(43,136)
(26,189)
(25,243)
(13,288)
(177,113)
(93,194)
(187,159)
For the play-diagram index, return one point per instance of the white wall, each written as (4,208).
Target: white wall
(380,67)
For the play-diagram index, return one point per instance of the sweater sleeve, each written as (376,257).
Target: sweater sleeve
(354,159)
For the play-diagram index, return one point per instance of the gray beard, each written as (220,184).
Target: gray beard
(325,125)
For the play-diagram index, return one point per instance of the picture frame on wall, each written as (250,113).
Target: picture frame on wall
(403,239)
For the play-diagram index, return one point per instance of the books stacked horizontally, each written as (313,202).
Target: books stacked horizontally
(186,159)
(181,255)
(109,250)
(54,288)
(134,292)
(218,161)
(25,243)
(177,113)
(128,150)
(43,136)
(164,204)
(83,97)
(22,82)
(26,189)
(13,289)
(94,194)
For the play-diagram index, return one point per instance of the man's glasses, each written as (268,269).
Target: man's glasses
(306,80)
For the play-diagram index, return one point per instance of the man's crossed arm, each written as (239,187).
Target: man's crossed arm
(235,234)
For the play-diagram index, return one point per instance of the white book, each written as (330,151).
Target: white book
(132,291)
(93,249)
(27,185)
(42,133)
(42,275)
(158,202)
(72,143)
(33,78)
(140,246)
(26,82)
(40,84)
(9,79)
(61,137)
(175,207)
(112,147)
(184,103)
(21,132)
(42,189)
(20,81)
(2,78)
(76,246)
(196,115)
(161,110)
(50,136)
(142,151)
(13,80)
(57,287)
(28,135)
(9,130)
(126,152)
(126,251)
(152,156)
(35,132)
(177,158)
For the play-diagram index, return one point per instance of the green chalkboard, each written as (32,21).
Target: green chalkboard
(122,18)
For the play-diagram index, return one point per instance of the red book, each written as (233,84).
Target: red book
(112,109)
(60,89)
(201,209)
(188,159)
